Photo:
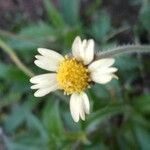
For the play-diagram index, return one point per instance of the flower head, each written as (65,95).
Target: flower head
(72,74)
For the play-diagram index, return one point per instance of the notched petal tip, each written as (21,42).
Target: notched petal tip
(77,38)
(35,86)
(91,42)
(37,95)
(76,42)
(75,120)
(37,63)
(101,63)
(32,80)
(38,56)
(42,92)
(82,117)
(40,50)
(114,69)
(115,76)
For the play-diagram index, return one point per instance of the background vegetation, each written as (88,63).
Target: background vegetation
(120,110)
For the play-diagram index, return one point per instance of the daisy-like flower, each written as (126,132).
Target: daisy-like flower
(73,74)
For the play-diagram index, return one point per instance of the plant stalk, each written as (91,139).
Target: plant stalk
(124,50)
(15,58)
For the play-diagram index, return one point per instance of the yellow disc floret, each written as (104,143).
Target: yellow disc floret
(72,76)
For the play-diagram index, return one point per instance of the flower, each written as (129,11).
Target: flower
(73,74)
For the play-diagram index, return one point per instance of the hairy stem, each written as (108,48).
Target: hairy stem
(15,59)
(124,50)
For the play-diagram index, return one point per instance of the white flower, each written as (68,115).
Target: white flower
(73,74)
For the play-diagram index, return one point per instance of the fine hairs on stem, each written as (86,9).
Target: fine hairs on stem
(127,49)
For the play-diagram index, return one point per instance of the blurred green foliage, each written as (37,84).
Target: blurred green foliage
(120,110)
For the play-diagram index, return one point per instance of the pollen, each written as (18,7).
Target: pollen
(73,76)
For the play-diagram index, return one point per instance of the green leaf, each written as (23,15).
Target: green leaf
(10,98)
(99,92)
(19,115)
(142,136)
(142,103)
(93,7)
(16,118)
(51,118)
(101,26)
(102,115)
(16,78)
(145,14)
(15,145)
(127,138)
(12,73)
(35,124)
(54,16)
(39,30)
(70,11)
(31,36)
(125,63)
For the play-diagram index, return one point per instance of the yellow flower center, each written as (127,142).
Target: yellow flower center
(72,76)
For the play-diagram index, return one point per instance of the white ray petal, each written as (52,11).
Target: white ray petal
(44,91)
(38,56)
(105,70)
(84,43)
(102,79)
(48,60)
(74,107)
(48,77)
(50,54)
(88,52)
(36,86)
(81,107)
(85,103)
(77,48)
(47,64)
(44,84)
(102,63)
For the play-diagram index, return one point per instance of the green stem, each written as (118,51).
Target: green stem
(15,58)
(124,50)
